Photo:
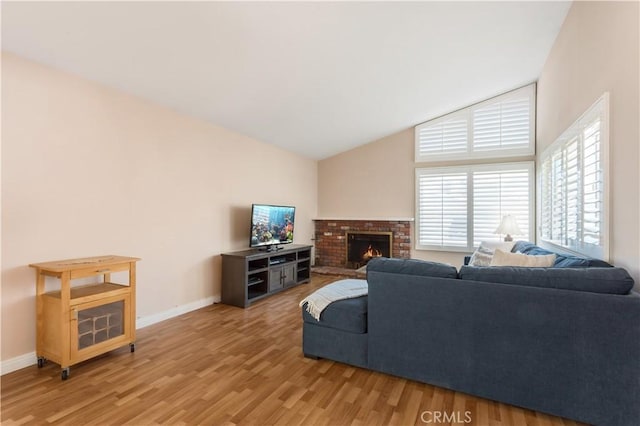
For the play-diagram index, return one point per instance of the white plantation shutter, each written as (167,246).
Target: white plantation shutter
(457,207)
(592,185)
(499,127)
(500,192)
(442,208)
(558,197)
(573,203)
(502,125)
(443,137)
(544,211)
(573,186)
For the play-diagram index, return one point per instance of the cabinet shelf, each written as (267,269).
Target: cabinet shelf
(254,294)
(254,282)
(287,262)
(91,292)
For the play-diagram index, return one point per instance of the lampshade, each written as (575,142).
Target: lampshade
(508,226)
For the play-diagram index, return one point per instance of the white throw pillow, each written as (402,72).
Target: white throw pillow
(484,253)
(500,258)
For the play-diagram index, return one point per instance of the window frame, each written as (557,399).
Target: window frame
(599,108)
(470,169)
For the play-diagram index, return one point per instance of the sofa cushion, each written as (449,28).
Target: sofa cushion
(348,315)
(501,258)
(411,267)
(595,280)
(562,260)
(484,253)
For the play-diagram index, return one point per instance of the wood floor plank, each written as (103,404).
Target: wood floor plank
(223,365)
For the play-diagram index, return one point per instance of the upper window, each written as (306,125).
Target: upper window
(573,181)
(499,127)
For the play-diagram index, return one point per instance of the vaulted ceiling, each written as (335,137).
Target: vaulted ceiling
(316,78)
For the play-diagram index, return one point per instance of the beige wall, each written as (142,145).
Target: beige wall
(596,51)
(88,170)
(374,180)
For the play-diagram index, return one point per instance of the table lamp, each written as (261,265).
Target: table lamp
(508,226)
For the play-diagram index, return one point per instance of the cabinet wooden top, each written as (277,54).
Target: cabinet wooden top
(81,263)
(287,248)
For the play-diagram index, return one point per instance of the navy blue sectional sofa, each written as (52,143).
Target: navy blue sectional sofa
(562,340)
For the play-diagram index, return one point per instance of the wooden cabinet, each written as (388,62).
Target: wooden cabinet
(75,323)
(250,275)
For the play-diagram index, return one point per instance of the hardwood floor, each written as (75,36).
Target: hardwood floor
(226,365)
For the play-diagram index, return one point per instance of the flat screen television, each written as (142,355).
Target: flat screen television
(271,225)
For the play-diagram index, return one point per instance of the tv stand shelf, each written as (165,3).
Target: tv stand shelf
(250,275)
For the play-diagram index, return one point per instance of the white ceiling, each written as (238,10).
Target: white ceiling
(314,78)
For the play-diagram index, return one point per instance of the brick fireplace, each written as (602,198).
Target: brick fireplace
(331,240)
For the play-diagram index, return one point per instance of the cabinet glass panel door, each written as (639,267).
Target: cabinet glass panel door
(100,323)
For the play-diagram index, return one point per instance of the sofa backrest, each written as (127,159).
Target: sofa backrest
(412,267)
(606,280)
(595,280)
(562,260)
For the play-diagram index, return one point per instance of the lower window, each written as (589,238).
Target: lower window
(458,207)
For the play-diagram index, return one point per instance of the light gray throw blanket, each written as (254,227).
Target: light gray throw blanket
(343,289)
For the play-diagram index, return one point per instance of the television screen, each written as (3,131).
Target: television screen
(271,225)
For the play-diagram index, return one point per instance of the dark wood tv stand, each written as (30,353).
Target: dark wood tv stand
(250,275)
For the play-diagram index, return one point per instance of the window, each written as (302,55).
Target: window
(458,207)
(499,127)
(573,186)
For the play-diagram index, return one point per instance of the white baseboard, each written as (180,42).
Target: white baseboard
(29,359)
(18,362)
(143,322)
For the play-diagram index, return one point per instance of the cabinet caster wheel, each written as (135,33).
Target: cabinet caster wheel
(41,362)
(132,347)
(65,374)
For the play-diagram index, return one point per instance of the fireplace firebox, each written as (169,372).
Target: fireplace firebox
(363,246)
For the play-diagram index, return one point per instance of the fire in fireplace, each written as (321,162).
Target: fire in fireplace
(364,246)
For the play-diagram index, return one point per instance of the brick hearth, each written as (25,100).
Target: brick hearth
(331,243)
